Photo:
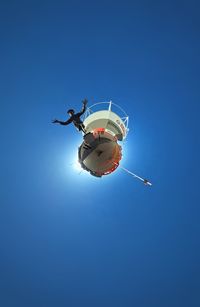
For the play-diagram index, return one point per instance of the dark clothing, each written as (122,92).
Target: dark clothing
(75,119)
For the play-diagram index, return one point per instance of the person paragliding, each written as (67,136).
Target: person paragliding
(74,118)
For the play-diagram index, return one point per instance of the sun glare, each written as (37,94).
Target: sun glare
(77,166)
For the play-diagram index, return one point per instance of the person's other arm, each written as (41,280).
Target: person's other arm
(84,107)
(67,122)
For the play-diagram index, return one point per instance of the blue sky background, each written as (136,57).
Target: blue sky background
(74,240)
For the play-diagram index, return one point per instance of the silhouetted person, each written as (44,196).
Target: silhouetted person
(74,118)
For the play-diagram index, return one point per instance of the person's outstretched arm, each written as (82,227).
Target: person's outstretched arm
(67,122)
(84,107)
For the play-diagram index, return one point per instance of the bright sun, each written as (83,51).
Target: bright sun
(77,166)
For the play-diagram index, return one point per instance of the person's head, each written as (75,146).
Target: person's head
(71,112)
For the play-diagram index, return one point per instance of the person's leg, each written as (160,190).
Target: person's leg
(82,127)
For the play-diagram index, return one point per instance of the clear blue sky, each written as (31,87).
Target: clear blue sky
(74,240)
